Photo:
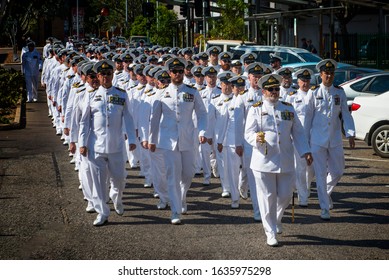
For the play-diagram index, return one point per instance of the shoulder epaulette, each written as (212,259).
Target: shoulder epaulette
(80,90)
(147,91)
(216,96)
(70,76)
(338,87)
(190,86)
(118,72)
(259,103)
(164,86)
(66,69)
(219,87)
(243,92)
(227,99)
(76,85)
(314,87)
(292,93)
(122,90)
(286,103)
(140,87)
(151,93)
(92,90)
(133,86)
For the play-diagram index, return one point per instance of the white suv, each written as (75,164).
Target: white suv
(371,118)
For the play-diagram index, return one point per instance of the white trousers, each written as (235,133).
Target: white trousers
(102,165)
(85,176)
(328,164)
(221,161)
(32,87)
(144,161)
(246,161)
(158,174)
(132,156)
(304,177)
(232,171)
(205,153)
(274,192)
(179,171)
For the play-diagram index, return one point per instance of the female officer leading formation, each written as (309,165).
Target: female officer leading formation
(272,128)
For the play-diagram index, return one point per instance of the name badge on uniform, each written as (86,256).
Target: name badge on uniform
(298,101)
(116,100)
(250,100)
(287,116)
(187,97)
(337,100)
(264,114)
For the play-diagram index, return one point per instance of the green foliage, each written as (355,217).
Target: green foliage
(163,30)
(139,27)
(231,23)
(161,27)
(12,87)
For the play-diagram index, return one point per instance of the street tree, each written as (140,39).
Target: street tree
(230,25)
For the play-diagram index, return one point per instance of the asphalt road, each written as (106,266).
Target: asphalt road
(42,212)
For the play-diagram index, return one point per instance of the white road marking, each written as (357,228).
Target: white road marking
(367,159)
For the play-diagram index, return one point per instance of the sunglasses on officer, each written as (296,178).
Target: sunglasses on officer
(177,71)
(273,89)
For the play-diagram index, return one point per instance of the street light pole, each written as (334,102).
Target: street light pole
(126,16)
(78,31)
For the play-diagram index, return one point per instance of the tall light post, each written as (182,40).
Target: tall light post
(77,19)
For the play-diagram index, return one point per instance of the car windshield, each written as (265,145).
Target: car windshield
(309,57)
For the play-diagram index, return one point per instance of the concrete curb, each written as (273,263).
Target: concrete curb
(17,123)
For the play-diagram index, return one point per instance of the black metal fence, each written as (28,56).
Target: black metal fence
(363,50)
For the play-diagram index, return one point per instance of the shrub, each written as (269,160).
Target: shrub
(12,89)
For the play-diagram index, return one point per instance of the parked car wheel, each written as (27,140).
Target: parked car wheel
(380,141)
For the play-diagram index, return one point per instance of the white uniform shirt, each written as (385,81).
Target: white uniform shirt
(217,115)
(189,80)
(280,124)
(227,128)
(104,116)
(134,97)
(242,105)
(120,79)
(75,91)
(284,92)
(81,97)
(31,63)
(208,93)
(322,121)
(171,122)
(299,101)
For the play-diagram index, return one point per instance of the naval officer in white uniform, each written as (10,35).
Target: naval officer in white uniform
(171,126)
(273,128)
(104,116)
(326,103)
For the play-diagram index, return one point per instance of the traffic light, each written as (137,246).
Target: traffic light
(184,10)
(148,9)
(207,8)
(200,26)
(199,8)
